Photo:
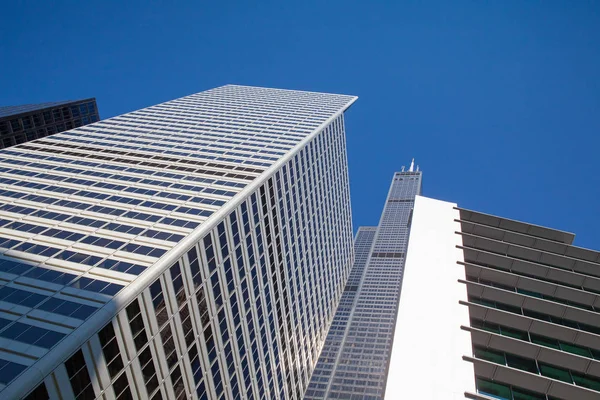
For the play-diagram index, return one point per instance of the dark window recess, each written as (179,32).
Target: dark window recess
(534,314)
(148,370)
(202,306)
(537,339)
(79,377)
(387,255)
(195,364)
(177,280)
(186,324)
(136,322)
(158,300)
(178,386)
(223,240)
(140,338)
(110,349)
(15,125)
(169,346)
(195,267)
(39,393)
(121,388)
(529,365)
(86,120)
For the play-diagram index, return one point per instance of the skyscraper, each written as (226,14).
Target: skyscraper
(354,360)
(493,308)
(193,249)
(20,124)
(489,308)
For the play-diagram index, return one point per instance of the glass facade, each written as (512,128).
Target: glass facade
(533,305)
(20,124)
(355,356)
(213,232)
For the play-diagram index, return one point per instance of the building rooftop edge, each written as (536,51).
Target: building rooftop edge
(51,104)
(289,90)
(568,236)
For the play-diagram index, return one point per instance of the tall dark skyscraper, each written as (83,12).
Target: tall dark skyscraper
(20,124)
(196,249)
(354,360)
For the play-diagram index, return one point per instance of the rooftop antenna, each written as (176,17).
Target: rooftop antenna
(412,165)
(417,168)
(403,168)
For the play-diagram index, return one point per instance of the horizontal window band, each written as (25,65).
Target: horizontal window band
(387,255)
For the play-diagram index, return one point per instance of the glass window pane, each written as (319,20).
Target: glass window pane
(489,355)
(536,315)
(521,363)
(530,293)
(545,341)
(555,373)
(477,323)
(522,394)
(490,327)
(571,348)
(509,308)
(482,302)
(493,389)
(595,354)
(514,333)
(586,381)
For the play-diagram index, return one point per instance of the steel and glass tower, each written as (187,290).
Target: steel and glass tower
(355,357)
(193,249)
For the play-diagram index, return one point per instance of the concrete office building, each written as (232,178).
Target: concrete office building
(493,308)
(354,360)
(20,124)
(193,249)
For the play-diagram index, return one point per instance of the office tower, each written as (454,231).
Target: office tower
(20,124)
(354,360)
(493,308)
(193,249)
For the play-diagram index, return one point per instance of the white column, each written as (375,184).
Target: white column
(426,360)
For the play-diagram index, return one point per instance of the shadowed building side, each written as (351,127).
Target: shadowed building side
(20,124)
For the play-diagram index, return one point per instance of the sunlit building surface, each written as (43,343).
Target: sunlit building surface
(193,249)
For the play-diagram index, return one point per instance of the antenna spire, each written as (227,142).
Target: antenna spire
(412,165)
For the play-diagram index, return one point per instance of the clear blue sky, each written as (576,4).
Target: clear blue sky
(499,102)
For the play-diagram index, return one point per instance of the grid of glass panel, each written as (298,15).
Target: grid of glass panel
(337,330)
(245,311)
(354,364)
(6,111)
(20,124)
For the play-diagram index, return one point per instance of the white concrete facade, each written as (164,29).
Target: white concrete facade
(426,360)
